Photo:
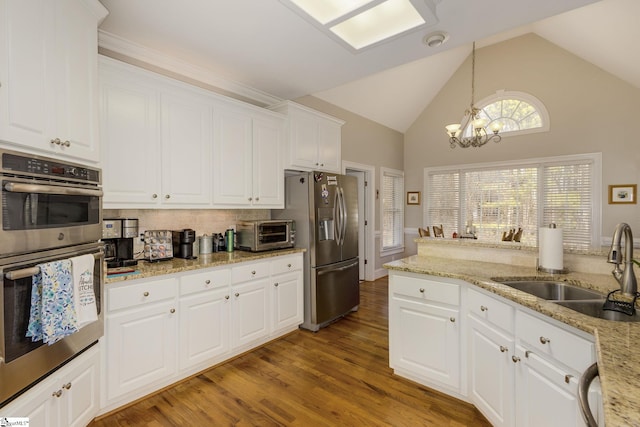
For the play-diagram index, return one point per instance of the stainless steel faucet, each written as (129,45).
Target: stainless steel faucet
(626,278)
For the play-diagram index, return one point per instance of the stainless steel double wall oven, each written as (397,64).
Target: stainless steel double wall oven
(51,210)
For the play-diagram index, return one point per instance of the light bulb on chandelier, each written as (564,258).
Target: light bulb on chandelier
(479,135)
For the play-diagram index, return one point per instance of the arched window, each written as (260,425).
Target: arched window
(517,112)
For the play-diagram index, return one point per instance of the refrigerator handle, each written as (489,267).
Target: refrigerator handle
(343,204)
(336,215)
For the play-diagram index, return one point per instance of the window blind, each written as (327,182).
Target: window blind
(496,198)
(567,201)
(392,210)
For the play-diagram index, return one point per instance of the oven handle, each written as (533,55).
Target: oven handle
(19,187)
(32,271)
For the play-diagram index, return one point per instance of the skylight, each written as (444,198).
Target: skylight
(364,23)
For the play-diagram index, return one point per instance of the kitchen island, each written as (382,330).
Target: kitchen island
(616,343)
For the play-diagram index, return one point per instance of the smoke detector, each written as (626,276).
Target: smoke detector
(436,39)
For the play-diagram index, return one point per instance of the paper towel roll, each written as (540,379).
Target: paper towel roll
(550,249)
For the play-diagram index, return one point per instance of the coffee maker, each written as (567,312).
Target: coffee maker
(183,241)
(118,235)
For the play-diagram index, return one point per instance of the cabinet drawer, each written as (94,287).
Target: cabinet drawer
(246,272)
(447,293)
(198,282)
(139,294)
(286,264)
(544,338)
(492,310)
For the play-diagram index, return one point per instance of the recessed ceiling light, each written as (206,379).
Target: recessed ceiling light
(359,24)
(436,39)
(378,23)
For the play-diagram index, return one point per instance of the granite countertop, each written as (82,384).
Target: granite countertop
(617,343)
(146,269)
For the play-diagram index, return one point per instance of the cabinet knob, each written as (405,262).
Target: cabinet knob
(207,282)
(253,273)
(67,386)
(173,310)
(544,340)
(503,349)
(567,378)
(167,196)
(154,196)
(276,284)
(56,141)
(515,359)
(422,290)
(66,144)
(57,393)
(257,199)
(452,319)
(288,265)
(146,294)
(321,164)
(527,353)
(317,164)
(237,294)
(226,297)
(483,308)
(250,198)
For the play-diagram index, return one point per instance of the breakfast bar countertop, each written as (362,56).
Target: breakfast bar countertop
(146,269)
(617,343)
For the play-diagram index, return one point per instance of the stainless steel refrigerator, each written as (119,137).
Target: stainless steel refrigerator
(325,209)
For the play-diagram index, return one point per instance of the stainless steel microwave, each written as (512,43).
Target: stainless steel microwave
(264,235)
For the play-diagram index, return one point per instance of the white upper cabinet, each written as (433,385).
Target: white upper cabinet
(247,169)
(48,76)
(167,144)
(314,139)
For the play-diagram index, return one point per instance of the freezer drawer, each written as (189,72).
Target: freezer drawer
(335,291)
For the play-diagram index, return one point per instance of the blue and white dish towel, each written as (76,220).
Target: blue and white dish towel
(62,299)
(53,315)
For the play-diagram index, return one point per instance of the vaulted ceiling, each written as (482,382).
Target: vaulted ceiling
(264,50)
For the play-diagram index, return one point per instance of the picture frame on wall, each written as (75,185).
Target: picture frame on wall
(623,194)
(413,197)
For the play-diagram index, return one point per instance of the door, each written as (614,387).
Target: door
(336,290)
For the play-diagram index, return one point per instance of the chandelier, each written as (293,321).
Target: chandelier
(479,135)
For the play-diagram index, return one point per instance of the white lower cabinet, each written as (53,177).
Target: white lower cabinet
(250,311)
(142,337)
(522,368)
(162,330)
(491,372)
(68,398)
(424,331)
(204,317)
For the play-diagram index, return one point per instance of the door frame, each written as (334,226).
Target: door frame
(366,214)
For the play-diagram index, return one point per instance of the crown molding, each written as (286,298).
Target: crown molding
(121,46)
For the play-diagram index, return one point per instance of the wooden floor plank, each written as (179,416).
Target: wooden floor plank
(339,376)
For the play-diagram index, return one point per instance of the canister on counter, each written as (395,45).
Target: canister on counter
(206,244)
(230,239)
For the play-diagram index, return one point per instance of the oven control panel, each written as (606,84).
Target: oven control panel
(42,167)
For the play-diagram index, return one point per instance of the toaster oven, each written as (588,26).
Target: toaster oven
(263,235)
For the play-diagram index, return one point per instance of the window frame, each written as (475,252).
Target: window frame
(595,191)
(502,95)
(399,246)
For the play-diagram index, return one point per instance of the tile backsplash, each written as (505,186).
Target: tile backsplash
(203,221)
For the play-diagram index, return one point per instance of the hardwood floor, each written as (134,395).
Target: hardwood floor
(339,376)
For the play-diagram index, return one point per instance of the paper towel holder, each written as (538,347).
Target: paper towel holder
(550,270)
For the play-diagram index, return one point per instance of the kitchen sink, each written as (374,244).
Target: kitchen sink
(594,309)
(552,290)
